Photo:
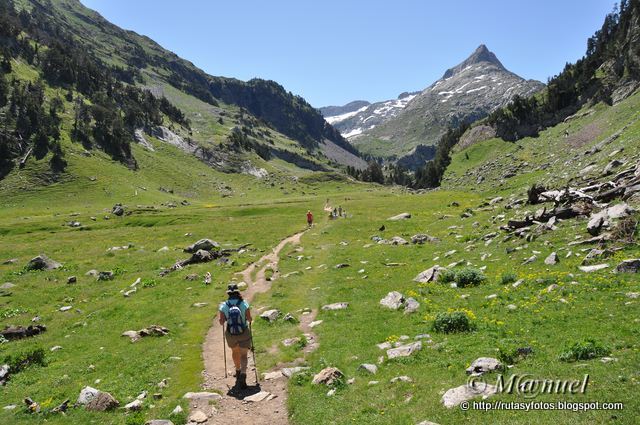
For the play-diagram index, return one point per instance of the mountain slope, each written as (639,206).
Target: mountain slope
(466,92)
(229,121)
(356,117)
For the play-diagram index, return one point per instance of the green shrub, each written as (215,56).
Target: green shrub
(457,321)
(469,276)
(447,276)
(511,354)
(148,282)
(508,277)
(19,362)
(584,350)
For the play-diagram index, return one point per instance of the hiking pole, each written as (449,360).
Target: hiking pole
(224,349)
(253,353)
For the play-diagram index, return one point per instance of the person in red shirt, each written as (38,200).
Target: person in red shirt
(309,218)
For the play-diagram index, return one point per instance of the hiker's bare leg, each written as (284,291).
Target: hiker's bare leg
(236,355)
(244,359)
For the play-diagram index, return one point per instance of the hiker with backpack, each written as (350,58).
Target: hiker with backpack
(237,315)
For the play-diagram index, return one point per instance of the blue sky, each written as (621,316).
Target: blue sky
(335,51)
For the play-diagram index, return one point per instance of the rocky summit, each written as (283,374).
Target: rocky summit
(466,92)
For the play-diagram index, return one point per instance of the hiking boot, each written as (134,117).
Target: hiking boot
(241,381)
(235,375)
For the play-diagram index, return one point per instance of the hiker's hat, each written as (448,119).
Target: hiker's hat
(232,288)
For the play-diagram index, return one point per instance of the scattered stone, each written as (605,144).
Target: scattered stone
(102,402)
(483,365)
(368,367)
(394,300)
(199,305)
(160,421)
(270,315)
(290,341)
(629,266)
(373,383)
(342,266)
(384,345)
(202,395)
(552,259)
(4,374)
(530,260)
(290,318)
(118,210)
(153,330)
(403,216)
(590,269)
(134,406)
(288,372)
(72,279)
(411,305)
(106,275)
(198,417)
(403,378)
(429,275)
(7,285)
(454,396)
(421,238)
(262,395)
(42,262)
(404,350)
(315,323)
(202,244)
(397,240)
(18,332)
(327,376)
(336,306)
(273,375)
(56,348)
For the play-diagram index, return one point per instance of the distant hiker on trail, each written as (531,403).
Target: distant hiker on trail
(236,313)
(309,218)
(335,213)
(340,211)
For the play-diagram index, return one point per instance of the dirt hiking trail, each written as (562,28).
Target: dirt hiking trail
(232,409)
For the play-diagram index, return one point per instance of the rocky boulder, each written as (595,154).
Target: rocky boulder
(629,266)
(422,238)
(429,275)
(202,244)
(603,218)
(394,300)
(19,332)
(404,350)
(102,402)
(327,376)
(483,365)
(454,396)
(552,259)
(335,306)
(118,210)
(399,217)
(270,315)
(4,374)
(42,262)
(369,368)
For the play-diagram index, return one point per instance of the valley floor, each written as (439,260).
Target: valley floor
(93,353)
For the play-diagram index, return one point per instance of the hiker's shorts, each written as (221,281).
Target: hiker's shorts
(243,340)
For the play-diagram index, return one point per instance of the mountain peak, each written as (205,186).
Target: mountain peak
(481,54)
